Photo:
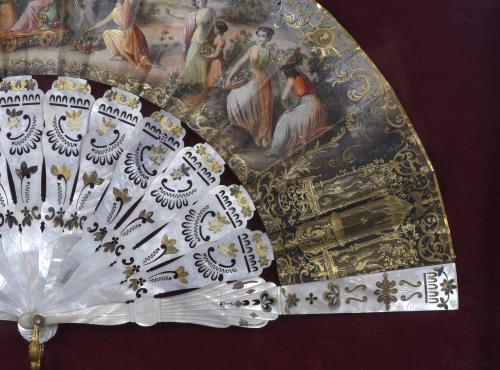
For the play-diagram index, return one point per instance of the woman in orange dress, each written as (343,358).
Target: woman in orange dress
(127,42)
(217,64)
(251,105)
(307,120)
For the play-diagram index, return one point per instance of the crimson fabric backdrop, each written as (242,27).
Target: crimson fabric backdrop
(440,56)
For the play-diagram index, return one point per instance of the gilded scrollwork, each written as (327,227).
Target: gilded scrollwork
(332,296)
(360,198)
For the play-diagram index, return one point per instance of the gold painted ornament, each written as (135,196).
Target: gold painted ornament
(282,97)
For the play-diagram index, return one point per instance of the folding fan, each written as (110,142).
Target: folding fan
(304,157)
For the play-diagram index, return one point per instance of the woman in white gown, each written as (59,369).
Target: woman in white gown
(195,69)
(307,120)
(251,105)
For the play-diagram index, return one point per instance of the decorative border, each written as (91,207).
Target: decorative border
(428,288)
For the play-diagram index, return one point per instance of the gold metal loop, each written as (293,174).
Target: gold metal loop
(36,348)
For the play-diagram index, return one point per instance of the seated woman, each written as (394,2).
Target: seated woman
(29,21)
(127,42)
(302,123)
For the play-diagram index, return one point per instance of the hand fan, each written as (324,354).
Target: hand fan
(114,210)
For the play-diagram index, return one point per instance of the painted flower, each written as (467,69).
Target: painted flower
(136,283)
(72,223)
(291,300)
(131,270)
(24,171)
(105,125)
(218,223)
(447,286)
(180,172)
(74,119)
(173,128)
(10,219)
(201,150)
(111,245)
(213,164)
(92,179)
(168,245)
(13,119)
(62,171)
(121,195)
(235,191)
(27,217)
(146,217)
(100,234)
(263,261)
(229,250)
(58,220)
(182,274)
(158,154)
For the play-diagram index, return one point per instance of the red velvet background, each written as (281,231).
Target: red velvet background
(441,58)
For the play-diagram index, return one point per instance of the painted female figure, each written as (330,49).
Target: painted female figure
(7,15)
(217,65)
(308,119)
(195,69)
(189,28)
(251,105)
(127,42)
(29,21)
(197,26)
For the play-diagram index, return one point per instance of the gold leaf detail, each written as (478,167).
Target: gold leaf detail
(229,250)
(218,223)
(74,119)
(168,245)
(63,171)
(182,274)
(105,126)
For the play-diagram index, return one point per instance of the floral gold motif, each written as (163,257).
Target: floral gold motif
(208,159)
(169,124)
(62,171)
(72,85)
(13,117)
(105,125)
(182,274)
(242,200)
(229,250)
(120,98)
(218,223)
(291,300)
(158,154)
(448,286)
(262,249)
(168,245)
(17,85)
(180,172)
(74,119)
(386,291)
